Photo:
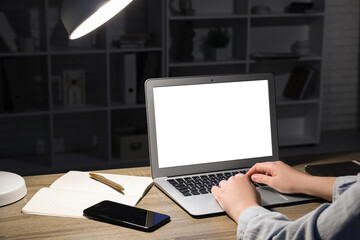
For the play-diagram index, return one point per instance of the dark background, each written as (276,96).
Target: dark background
(41,133)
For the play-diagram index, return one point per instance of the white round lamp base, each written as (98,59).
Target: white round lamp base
(12,188)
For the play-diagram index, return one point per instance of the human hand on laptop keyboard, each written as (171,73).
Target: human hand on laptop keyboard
(236,194)
(278,175)
(286,179)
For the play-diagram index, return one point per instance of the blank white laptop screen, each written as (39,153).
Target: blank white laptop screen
(215,122)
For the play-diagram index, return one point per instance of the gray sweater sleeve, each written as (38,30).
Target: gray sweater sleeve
(338,220)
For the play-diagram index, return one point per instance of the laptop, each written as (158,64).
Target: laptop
(207,128)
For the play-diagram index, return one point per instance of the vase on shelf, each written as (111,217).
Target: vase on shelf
(221,54)
(217,40)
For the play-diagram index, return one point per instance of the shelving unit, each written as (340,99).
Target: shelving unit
(47,136)
(274,31)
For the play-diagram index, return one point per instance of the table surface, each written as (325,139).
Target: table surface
(15,225)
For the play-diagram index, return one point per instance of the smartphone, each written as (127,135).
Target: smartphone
(123,215)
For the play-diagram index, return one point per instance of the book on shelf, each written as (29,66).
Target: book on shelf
(2,106)
(129,81)
(149,69)
(300,7)
(35,20)
(300,83)
(75,191)
(7,33)
(14,99)
(133,41)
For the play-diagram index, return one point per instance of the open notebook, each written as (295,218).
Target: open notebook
(75,191)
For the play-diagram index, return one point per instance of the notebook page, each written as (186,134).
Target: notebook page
(81,181)
(66,203)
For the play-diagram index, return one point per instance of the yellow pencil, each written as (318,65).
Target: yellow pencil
(108,182)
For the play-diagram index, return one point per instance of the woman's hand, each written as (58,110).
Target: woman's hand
(285,179)
(279,176)
(236,194)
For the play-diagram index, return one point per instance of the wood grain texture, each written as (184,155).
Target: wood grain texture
(15,225)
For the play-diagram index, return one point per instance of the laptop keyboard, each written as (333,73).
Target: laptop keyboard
(202,184)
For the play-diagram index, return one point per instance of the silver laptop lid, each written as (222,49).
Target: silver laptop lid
(210,123)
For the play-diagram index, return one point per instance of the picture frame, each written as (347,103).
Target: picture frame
(74,85)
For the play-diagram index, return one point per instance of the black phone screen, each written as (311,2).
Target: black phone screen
(124,215)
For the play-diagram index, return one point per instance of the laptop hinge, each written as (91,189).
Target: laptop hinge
(200,173)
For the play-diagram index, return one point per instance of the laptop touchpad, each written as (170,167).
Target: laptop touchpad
(270,197)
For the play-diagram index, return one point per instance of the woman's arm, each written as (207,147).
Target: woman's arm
(237,193)
(241,201)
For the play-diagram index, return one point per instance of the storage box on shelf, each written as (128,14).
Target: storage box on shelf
(129,136)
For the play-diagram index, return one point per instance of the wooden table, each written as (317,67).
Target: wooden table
(15,225)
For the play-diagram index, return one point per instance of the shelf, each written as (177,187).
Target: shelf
(296,139)
(287,15)
(76,51)
(71,51)
(201,62)
(28,113)
(140,49)
(208,17)
(86,108)
(283,101)
(23,54)
(245,16)
(293,20)
(123,106)
(300,59)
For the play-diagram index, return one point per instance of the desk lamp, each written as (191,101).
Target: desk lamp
(83,16)
(79,17)
(12,188)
